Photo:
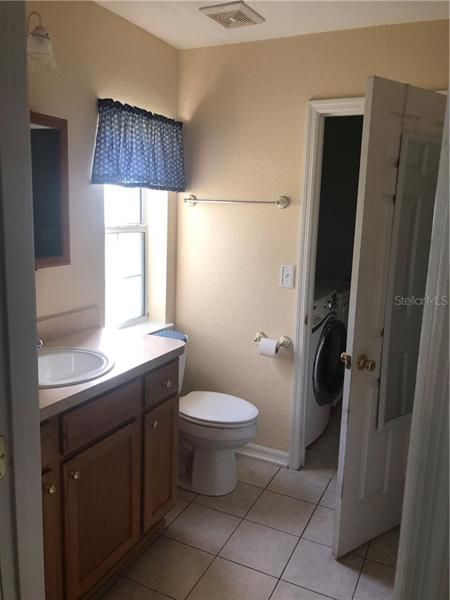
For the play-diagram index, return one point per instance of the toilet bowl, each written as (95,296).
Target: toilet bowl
(212,427)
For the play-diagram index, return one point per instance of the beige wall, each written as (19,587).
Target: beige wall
(245,107)
(99,55)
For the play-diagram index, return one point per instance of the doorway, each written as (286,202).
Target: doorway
(319,111)
(341,153)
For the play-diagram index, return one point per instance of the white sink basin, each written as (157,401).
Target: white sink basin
(59,367)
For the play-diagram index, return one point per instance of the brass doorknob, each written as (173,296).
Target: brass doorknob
(347,360)
(155,424)
(362,362)
(76,475)
(51,489)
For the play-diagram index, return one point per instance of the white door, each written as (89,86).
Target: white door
(373,450)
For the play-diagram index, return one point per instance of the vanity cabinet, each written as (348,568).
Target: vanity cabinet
(160,461)
(109,477)
(53,541)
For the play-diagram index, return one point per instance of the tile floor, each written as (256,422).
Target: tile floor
(270,538)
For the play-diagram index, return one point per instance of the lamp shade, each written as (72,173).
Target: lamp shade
(40,50)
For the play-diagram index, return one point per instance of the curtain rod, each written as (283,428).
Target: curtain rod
(282,202)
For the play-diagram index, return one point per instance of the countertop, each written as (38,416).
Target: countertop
(133,352)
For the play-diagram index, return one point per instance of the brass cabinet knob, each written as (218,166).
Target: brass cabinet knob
(362,362)
(347,360)
(167,383)
(75,475)
(155,424)
(51,489)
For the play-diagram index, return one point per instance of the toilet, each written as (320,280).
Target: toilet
(212,426)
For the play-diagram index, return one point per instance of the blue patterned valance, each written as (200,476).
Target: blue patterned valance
(136,148)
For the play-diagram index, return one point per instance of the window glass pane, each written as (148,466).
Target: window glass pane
(130,254)
(123,206)
(125,276)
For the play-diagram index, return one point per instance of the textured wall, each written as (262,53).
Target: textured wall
(245,112)
(99,55)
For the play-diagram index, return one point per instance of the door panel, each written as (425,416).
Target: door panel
(160,461)
(102,508)
(372,463)
(411,235)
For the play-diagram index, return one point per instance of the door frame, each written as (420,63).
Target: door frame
(317,111)
(21,550)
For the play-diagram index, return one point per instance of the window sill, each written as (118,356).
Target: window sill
(147,326)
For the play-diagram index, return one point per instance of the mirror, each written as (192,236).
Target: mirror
(405,294)
(49,165)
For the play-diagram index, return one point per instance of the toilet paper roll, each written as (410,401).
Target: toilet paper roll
(268,347)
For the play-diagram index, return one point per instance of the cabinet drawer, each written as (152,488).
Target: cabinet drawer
(100,416)
(47,444)
(160,384)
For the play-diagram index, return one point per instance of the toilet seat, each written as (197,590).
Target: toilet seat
(213,409)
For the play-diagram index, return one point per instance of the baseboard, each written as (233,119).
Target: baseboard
(277,457)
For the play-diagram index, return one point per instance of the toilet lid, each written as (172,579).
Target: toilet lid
(214,407)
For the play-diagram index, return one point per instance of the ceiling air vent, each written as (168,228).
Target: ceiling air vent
(233,14)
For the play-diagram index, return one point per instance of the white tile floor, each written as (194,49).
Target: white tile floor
(270,538)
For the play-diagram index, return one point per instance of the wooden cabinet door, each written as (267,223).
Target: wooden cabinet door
(102,508)
(160,461)
(53,544)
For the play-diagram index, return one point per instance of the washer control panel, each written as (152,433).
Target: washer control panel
(322,307)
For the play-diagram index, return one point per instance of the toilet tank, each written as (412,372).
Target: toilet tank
(177,335)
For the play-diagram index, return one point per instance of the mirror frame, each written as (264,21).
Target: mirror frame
(61,124)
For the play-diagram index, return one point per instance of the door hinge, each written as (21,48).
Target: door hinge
(306,320)
(3,461)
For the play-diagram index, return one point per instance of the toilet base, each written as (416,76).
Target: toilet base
(206,456)
(213,472)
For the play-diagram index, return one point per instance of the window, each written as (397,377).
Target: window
(125,255)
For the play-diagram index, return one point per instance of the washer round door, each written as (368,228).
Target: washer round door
(328,370)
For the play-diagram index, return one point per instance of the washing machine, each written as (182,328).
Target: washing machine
(326,371)
(342,289)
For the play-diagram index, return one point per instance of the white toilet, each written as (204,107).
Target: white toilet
(212,427)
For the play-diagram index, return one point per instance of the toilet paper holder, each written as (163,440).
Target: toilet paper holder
(284,341)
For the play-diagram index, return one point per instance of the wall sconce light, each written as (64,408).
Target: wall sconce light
(39,47)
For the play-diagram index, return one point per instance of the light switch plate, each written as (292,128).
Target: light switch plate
(287,276)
